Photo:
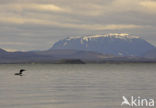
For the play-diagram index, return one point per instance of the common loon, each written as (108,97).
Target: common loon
(20,72)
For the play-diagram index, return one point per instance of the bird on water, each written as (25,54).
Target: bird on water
(20,72)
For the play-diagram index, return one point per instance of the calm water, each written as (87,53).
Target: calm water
(75,86)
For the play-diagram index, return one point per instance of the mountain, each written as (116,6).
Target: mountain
(150,54)
(110,48)
(24,57)
(112,44)
(2,51)
(73,54)
(52,56)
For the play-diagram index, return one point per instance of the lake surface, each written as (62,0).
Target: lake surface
(75,86)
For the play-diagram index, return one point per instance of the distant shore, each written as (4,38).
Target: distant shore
(78,61)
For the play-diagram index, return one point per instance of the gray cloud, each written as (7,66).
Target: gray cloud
(33,22)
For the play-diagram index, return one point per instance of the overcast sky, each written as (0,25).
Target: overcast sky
(37,24)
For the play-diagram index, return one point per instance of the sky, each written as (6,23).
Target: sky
(37,24)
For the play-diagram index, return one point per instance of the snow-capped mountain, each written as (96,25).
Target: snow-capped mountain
(117,44)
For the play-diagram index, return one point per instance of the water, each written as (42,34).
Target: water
(75,86)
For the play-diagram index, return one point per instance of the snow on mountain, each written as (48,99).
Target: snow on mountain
(112,35)
(117,44)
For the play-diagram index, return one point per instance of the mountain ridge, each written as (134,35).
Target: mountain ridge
(117,44)
(75,55)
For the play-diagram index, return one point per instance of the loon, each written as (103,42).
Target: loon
(20,72)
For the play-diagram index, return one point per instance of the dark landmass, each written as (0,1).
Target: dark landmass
(52,56)
(74,54)
(128,60)
(70,61)
(67,57)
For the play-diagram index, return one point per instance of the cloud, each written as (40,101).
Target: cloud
(68,15)
(32,6)
(102,27)
(32,21)
(17,20)
(79,7)
(73,13)
(12,43)
(48,7)
(73,7)
(149,6)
